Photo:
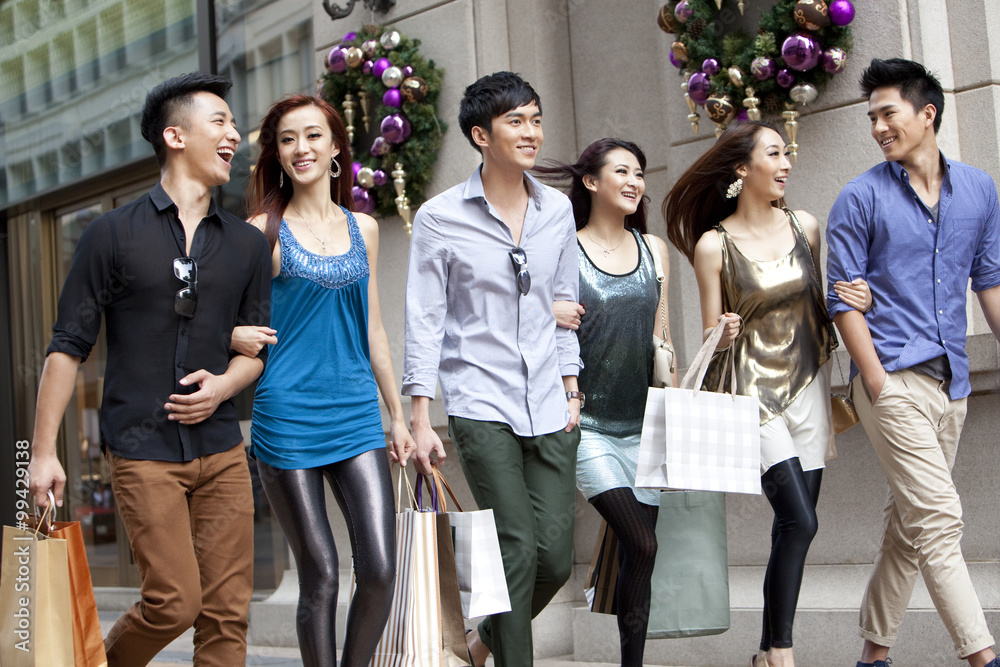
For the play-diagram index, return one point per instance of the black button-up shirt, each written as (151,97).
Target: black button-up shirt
(123,268)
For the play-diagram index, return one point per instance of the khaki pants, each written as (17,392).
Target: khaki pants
(914,427)
(190,526)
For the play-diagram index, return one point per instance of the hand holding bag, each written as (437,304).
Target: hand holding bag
(482,580)
(701,440)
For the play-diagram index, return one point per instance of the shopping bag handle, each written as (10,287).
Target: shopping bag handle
(48,514)
(399,489)
(437,485)
(699,366)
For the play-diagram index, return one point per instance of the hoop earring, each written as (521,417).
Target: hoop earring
(332,173)
(735,188)
(281,177)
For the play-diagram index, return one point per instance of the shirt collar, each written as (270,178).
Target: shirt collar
(474,187)
(904,176)
(162,201)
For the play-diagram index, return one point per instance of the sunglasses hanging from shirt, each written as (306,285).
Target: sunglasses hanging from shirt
(186,299)
(519,260)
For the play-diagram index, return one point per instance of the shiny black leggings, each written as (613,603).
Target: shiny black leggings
(363,490)
(793,495)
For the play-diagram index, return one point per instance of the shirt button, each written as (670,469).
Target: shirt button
(937,249)
(940,312)
(180,365)
(939,281)
(930,221)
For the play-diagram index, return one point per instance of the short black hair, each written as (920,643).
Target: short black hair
(491,97)
(168,98)
(915,83)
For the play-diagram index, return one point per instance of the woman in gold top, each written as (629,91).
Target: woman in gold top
(755,262)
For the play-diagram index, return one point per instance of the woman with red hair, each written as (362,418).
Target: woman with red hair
(316,412)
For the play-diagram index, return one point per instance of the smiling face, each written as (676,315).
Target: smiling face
(206,131)
(767,172)
(514,140)
(305,145)
(897,126)
(619,185)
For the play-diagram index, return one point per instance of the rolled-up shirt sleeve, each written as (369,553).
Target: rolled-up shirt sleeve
(986,265)
(848,240)
(87,290)
(426,305)
(567,288)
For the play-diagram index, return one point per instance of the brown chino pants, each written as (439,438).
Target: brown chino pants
(190,526)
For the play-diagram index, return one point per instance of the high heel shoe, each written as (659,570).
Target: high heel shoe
(754,663)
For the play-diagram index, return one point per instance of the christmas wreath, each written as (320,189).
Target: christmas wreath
(799,46)
(377,77)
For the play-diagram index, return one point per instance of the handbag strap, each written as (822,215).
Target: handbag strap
(660,277)
(699,367)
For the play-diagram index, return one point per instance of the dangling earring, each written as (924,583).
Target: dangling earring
(281,177)
(334,174)
(735,188)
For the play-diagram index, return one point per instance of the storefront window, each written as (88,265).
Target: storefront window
(73,77)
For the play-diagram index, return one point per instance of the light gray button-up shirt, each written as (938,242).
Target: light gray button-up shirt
(501,356)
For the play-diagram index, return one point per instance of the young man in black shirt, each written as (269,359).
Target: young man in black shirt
(172,274)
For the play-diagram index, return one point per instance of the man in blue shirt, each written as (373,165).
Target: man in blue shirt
(487,259)
(916,227)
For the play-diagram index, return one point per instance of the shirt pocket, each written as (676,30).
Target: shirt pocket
(964,240)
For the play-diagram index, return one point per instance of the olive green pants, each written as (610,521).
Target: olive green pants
(530,484)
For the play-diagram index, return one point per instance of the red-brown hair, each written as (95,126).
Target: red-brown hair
(264,196)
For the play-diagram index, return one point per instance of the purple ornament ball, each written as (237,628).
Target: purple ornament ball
(396,128)
(841,12)
(762,68)
(801,51)
(349,37)
(673,61)
(785,78)
(742,116)
(363,200)
(337,60)
(682,11)
(379,177)
(710,66)
(392,98)
(407,71)
(380,147)
(367,67)
(381,65)
(834,60)
(355,168)
(699,87)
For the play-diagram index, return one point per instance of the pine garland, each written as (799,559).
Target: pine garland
(710,40)
(418,153)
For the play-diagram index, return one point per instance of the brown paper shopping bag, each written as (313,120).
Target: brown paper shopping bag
(88,643)
(36,617)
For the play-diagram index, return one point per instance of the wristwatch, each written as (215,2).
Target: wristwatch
(576,394)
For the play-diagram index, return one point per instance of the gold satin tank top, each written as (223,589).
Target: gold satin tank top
(785,336)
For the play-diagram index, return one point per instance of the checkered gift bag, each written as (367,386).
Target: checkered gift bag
(482,582)
(700,440)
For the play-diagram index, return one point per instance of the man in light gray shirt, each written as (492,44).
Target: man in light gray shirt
(487,259)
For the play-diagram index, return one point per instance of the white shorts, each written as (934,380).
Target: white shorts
(804,429)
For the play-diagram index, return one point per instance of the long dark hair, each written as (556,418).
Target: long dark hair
(697,202)
(591,160)
(264,195)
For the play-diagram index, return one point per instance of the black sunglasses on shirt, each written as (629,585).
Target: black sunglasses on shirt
(186,299)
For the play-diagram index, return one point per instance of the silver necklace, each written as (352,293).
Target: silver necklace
(607,250)
(322,243)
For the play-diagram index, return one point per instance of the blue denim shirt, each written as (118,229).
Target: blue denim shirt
(918,271)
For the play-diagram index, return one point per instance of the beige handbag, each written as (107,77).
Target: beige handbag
(663,351)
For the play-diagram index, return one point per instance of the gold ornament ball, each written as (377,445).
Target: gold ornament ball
(370,47)
(811,14)
(366,178)
(667,21)
(413,89)
(736,76)
(354,57)
(680,51)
